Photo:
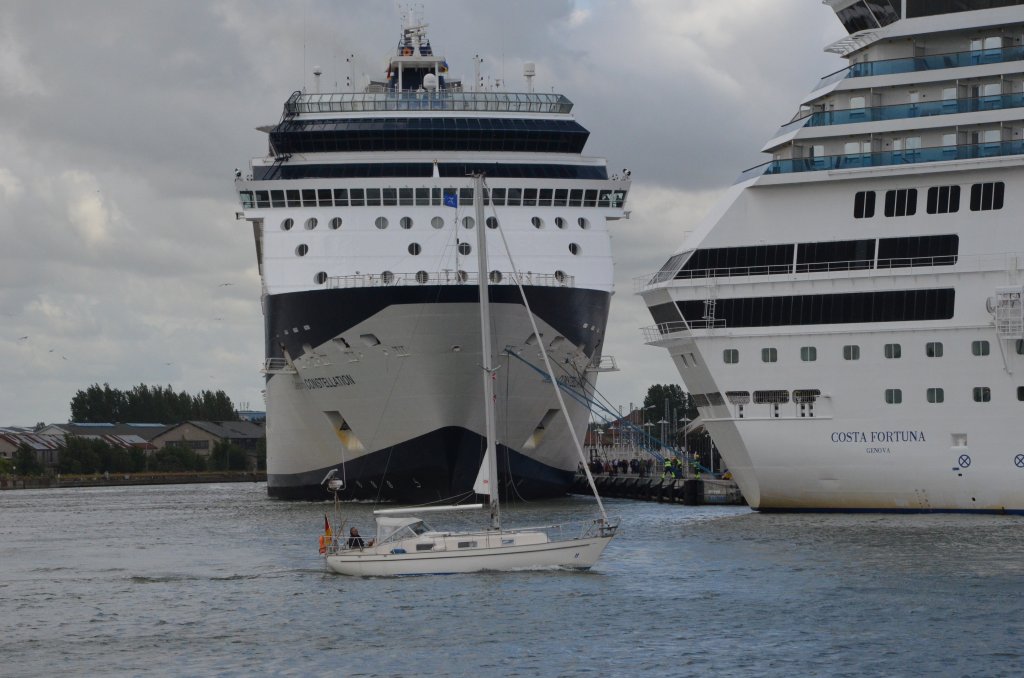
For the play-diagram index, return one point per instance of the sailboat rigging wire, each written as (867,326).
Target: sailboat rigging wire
(547,364)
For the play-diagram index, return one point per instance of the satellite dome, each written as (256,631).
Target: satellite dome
(430,82)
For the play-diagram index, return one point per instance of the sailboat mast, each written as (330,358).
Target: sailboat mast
(491,455)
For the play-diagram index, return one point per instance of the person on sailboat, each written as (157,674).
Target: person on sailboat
(355,540)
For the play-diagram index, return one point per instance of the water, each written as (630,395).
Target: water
(220,580)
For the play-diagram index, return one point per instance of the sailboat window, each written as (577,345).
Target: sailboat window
(387,277)
(467,544)
(309,197)
(293,198)
(498,196)
(545,196)
(560,276)
(576,198)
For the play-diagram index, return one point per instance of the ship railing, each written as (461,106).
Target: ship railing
(928,62)
(277,366)
(448,277)
(662,331)
(607,363)
(391,100)
(898,265)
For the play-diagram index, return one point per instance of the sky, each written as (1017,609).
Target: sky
(122,122)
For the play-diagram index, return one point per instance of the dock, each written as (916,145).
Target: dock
(685,491)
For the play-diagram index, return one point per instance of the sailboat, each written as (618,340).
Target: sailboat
(406,545)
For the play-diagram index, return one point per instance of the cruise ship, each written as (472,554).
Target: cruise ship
(362,212)
(848,318)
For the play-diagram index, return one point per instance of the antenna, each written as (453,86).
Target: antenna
(316,79)
(351,77)
(478,84)
(529,70)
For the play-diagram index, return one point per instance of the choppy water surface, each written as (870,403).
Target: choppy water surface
(218,579)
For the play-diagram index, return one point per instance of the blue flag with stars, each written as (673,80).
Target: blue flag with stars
(451,198)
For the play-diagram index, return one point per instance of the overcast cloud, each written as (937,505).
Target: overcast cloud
(122,123)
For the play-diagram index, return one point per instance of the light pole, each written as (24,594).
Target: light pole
(662,422)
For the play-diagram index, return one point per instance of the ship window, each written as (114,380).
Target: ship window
(466,196)
(575,249)
(311,223)
(738,397)
(982,394)
(561,197)
(864,205)
(277,199)
(373,197)
(943,199)
(529,197)
(334,223)
(979,348)
(498,196)
(769,355)
(901,202)
(387,277)
(422,197)
(537,222)
(389,196)
(844,255)
(590,198)
(293,197)
(924,250)
(437,222)
(545,197)
(468,222)
(414,248)
(324,198)
(731,356)
(933,349)
(422,277)
(851,352)
(356,197)
(1020,347)
(936,395)
(301,250)
(808,354)
(919,8)
(492,222)
(287,224)
(515,197)
(320,278)
(309,197)
(893,396)
(437,195)
(560,276)
(857,17)
(559,222)
(465,248)
(987,196)
(461,276)
(774,397)
(494,276)
(583,222)
(341,197)
(248,202)
(576,198)
(1020,393)
(405,222)
(467,544)
(381,223)
(893,351)
(405,197)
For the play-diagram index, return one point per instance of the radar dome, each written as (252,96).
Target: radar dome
(430,81)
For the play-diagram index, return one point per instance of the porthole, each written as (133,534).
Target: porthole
(494,276)
(311,223)
(387,277)
(537,222)
(320,278)
(583,222)
(437,222)
(422,277)
(406,223)
(492,222)
(414,248)
(560,276)
(335,223)
(381,223)
(461,276)
(468,222)
(301,250)
(465,248)
(559,222)
(287,224)
(574,248)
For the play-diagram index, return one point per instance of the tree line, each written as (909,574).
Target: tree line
(143,403)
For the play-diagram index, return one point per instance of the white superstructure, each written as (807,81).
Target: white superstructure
(849,317)
(364,228)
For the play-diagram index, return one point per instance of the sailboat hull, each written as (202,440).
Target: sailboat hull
(575,554)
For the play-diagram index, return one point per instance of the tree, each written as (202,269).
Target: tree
(26,462)
(150,404)
(679,406)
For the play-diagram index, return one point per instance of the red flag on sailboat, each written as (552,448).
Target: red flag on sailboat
(327,526)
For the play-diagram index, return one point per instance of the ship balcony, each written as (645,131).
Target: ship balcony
(660,334)
(921,109)
(606,364)
(480,102)
(931,62)
(908,156)
(277,366)
(449,277)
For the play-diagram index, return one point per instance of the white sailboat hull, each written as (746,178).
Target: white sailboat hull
(576,554)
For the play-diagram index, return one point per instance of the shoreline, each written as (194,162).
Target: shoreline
(8,482)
